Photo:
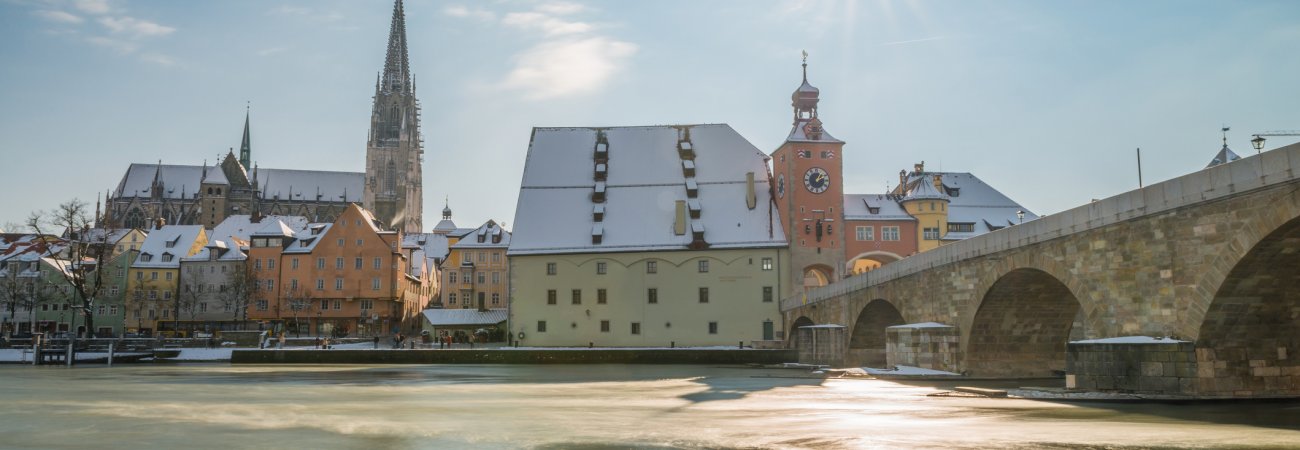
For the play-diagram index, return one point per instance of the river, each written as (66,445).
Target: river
(574,406)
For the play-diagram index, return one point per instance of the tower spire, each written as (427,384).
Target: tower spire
(805,66)
(397,77)
(246,147)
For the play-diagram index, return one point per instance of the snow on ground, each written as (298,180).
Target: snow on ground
(902,370)
(923,325)
(1130,340)
(203,354)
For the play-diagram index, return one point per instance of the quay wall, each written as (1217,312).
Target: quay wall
(549,356)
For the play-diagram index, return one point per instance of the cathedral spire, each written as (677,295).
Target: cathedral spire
(397,77)
(246,147)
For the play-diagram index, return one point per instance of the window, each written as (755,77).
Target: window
(704,265)
(261,305)
(480,297)
(865,233)
(467,257)
(496,277)
(112,310)
(340,242)
(550,296)
(767,294)
(451,277)
(270,285)
(257,264)
(604,326)
(379,263)
(338,263)
(496,298)
(167,313)
(367,304)
(713,328)
(961,227)
(451,298)
(270,263)
(320,284)
(704,295)
(356,263)
(153,275)
(169,276)
(480,278)
(482,257)
(359,242)
(139,276)
(153,294)
(338,284)
(636,327)
(651,267)
(203,307)
(652,296)
(338,305)
(541,326)
(293,284)
(374,284)
(930,234)
(601,268)
(600,296)
(320,263)
(889,233)
(577,296)
(496,257)
(101,310)
(293,263)
(550,268)
(112,290)
(167,295)
(767,263)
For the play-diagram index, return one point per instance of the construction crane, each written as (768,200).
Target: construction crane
(1258,141)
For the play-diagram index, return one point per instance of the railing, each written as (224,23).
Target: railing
(1273,168)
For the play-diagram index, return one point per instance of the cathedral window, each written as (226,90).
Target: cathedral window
(390,178)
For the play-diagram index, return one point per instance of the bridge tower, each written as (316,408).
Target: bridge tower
(810,193)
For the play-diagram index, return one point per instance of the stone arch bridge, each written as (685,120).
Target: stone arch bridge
(1209,263)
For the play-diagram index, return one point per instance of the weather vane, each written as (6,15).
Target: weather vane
(805,56)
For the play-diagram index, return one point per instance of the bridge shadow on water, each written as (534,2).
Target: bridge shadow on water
(737,387)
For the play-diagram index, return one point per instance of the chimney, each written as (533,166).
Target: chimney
(938,182)
(920,168)
(158,223)
(902,180)
(679,223)
(751,198)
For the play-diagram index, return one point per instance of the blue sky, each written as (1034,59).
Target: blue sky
(1046,101)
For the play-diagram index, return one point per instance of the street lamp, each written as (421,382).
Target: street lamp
(1021,215)
(1258,143)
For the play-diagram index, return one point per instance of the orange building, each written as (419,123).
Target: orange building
(347,278)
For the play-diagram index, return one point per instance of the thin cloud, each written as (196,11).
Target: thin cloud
(307,13)
(272,51)
(561,8)
(58,16)
(159,59)
(912,41)
(92,6)
(136,28)
(545,23)
(565,67)
(476,13)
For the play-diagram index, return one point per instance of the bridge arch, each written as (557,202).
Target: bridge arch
(868,261)
(1021,326)
(792,337)
(868,337)
(1249,339)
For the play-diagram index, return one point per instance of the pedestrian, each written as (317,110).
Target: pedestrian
(376,342)
(281,344)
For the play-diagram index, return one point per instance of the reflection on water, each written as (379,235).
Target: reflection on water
(574,406)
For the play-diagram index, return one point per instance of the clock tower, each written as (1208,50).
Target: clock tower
(810,193)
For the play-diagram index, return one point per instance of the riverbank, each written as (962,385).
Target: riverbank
(516,356)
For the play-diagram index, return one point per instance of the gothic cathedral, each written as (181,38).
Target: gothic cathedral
(810,193)
(394,150)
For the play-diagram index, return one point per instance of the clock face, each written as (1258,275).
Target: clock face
(780,185)
(816,180)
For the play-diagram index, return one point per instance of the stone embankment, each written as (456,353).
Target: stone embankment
(514,356)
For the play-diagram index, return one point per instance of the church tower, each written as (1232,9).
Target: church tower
(810,193)
(394,150)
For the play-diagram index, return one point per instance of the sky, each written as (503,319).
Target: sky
(1045,101)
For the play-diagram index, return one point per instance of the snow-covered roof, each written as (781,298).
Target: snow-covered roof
(107,235)
(173,240)
(432,247)
(276,228)
(924,189)
(310,185)
(874,207)
(466,317)
(644,182)
(226,251)
(970,201)
(240,227)
(179,181)
(445,225)
(488,235)
(1225,155)
(305,241)
(215,175)
(799,133)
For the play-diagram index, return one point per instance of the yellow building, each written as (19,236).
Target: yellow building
(629,237)
(153,279)
(476,273)
(928,203)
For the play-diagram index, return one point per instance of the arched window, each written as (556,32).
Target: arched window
(390,178)
(134,219)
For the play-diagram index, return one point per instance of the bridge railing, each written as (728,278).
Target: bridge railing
(1273,168)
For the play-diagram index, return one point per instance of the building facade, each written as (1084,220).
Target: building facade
(645,236)
(476,272)
(153,279)
(394,148)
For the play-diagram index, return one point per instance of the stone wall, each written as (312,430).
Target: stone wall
(1149,368)
(574,356)
(935,348)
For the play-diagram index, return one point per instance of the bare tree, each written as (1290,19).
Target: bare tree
(10,296)
(299,302)
(235,294)
(36,292)
(86,249)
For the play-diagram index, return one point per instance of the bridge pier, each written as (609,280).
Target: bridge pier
(1138,365)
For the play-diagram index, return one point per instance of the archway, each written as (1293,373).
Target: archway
(1249,340)
(869,261)
(817,275)
(792,337)
(1022,327)
(867,343)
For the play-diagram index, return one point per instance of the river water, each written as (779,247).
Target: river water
(574,406)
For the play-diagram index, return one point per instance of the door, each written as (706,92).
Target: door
(767,330)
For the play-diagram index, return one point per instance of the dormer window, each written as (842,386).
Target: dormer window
(145,257)
(172,243)
(167,257)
